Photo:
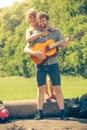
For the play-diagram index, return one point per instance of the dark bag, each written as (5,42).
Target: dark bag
(83,106)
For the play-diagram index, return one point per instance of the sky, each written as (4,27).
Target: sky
(4,3)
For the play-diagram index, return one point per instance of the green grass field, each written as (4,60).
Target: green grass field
(20,88)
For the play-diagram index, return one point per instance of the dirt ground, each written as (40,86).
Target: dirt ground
(45,124)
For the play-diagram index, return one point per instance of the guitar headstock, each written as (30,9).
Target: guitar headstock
(78,35)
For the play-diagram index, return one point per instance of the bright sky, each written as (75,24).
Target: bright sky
(4,3)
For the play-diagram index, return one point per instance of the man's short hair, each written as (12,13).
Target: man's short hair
(41,15)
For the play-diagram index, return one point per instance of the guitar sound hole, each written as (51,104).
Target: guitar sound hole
(47,48)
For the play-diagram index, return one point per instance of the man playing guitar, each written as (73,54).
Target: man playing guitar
(49,66)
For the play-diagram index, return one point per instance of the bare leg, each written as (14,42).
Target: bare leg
(52,94)
(60,102)
(40,102)
(46,91)
(59,97)
(40,97)
(51,87)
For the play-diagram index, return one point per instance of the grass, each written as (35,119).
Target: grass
(73,86)
(17,88)
(20,88)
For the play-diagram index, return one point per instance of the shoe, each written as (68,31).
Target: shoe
(38,117)
(64,118)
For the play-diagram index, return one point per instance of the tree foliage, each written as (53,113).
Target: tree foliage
(70,16)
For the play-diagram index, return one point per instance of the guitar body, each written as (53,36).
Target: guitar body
(44,48)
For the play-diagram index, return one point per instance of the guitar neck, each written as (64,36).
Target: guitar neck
(61,42)
(57,44)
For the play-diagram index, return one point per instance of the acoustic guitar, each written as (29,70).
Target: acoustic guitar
(49,47)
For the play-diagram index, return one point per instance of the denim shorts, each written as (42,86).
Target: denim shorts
(51,70)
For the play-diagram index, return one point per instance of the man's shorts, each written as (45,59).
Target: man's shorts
(51,70)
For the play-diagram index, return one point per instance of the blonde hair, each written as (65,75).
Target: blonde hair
(32,12)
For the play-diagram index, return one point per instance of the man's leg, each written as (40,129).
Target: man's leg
(41,81)
(40,97)
(56,82)
(40,102)
(59,96)
(60,101)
